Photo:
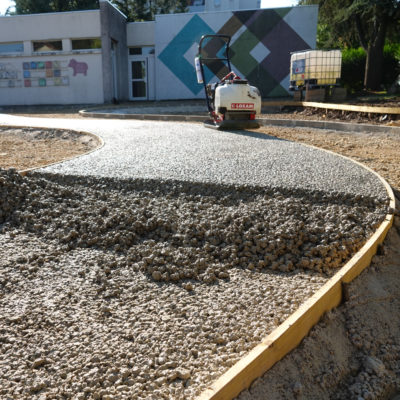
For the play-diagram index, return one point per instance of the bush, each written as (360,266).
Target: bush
(391,64)
(353,67)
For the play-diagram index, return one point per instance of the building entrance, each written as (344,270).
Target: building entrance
(141,74)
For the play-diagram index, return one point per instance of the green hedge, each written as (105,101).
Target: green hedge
(353,67)
(391,64)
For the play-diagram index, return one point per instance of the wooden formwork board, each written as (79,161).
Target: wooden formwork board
(289,334)
(330,106)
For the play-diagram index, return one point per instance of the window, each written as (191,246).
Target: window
(16,47)
(86,44)
(137,51)
(48,45)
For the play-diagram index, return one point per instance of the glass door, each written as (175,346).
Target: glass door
(138,74)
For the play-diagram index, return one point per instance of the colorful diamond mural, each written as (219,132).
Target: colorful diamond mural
(173,56)
(262,41)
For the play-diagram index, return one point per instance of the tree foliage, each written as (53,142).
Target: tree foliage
(135,10)
(44,6)
(354,23)
(145,10)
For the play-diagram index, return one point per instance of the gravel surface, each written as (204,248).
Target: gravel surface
(353,353)
(190,152)
(83,309)
(152,288)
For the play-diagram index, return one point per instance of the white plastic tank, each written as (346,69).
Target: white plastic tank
(315,67)
(238,98)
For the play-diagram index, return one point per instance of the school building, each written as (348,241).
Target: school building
(94,57)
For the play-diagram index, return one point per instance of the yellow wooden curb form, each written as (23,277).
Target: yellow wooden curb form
(291,332)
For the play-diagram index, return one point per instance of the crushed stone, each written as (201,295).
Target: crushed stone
(143,288)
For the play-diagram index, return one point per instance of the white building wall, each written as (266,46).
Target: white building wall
(231,5)
(57,77)
(51,79)
(78,24)
(140,33)
(196,7)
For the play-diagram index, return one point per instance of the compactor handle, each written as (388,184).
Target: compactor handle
(225,38)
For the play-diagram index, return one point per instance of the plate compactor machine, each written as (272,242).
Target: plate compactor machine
(232,102)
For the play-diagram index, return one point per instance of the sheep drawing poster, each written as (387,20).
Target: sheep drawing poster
(78,67)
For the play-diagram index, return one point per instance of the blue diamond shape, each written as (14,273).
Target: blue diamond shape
(173,55)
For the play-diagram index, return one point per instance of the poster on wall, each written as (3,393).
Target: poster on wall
(10,77)
(45,73)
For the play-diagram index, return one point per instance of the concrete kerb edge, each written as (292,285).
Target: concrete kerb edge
(289,334)
(150,117)
(98,139)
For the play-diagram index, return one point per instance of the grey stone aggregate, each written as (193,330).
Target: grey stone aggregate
(191,152)
(155,288)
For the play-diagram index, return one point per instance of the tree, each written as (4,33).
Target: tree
(43,6)
(135,10)
(369,23)
(145,10)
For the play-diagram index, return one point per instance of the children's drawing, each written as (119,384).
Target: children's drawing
(45,74)
(78,67)
(10,77)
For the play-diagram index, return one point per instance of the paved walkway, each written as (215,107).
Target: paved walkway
(191,152)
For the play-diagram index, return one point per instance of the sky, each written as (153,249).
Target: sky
(4,4)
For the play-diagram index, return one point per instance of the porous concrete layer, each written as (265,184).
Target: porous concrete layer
(152,288)
(191,152)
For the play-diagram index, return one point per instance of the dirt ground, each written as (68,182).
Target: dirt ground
(310,113)
(26,148)
(354,352)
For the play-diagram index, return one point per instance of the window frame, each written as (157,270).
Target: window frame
(19,43)
(144,51)
(85,49)
(44,42)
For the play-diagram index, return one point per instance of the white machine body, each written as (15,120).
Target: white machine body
(237,98)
